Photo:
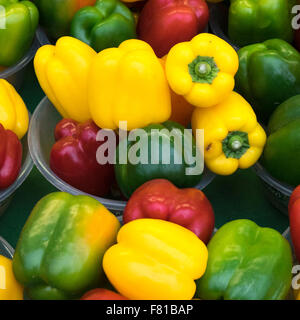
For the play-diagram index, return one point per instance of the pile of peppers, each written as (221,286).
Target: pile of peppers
(117,68)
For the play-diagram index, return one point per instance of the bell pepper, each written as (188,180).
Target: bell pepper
(187,207)
(107,24)
(246,262)
(21,19)
(155,260)
(132,175)
(60,250)
(56,15)
(10,289)
(10,157)
(202,70)
(73,158)
(181,110)
(269,73)
(232,136)
(128,84)
(102,294)
(164,23)
(294,217)
(255,21)
(13,111)
(282,151)
(62,71)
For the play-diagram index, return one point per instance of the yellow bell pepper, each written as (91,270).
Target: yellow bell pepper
(202,70)
(62,71)
(10,289)
(128,84)
(232,136)
(155,259)
(13,111)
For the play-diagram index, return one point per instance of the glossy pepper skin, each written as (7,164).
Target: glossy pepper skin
(202,70)
(74,158)
(63,72)
(254,21)
(13,111)
(294,217)
(269,73)
(281,154)
(128,83)
(246,262)
(232,136)
(10,289)
(10,157)
(187,172)
(106,24)
(187,207)
(56,15)
(102,294)
(164,23)
(59,252)
(155,260)
(21,20)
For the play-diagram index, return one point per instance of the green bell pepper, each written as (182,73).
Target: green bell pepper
(105,25)
(60,250)
(171,153)
(246,262)
(282,151)
(56,15)
(19,20)
(269,73)
(254,21)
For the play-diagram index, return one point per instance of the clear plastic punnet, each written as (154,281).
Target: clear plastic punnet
(15,74)
(278,193)
(41,140)
(6,249)
(7,194)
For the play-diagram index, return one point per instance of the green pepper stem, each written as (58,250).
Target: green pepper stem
(203,69)
(236,144)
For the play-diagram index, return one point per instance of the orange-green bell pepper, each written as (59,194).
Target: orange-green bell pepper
(155,259)
(60,250)
(10,289)
(56,15)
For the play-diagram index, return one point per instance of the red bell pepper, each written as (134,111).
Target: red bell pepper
(102,294)
(10,157)
(73,158)
(160,199)
(294,216)
(164,23)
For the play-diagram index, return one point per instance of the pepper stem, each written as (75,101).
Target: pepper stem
(203,70)
(235,144)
